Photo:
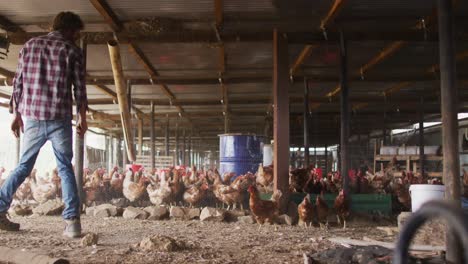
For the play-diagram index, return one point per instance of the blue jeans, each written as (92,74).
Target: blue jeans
(36,134)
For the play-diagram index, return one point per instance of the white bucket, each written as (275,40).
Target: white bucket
(267,155)
(422,193)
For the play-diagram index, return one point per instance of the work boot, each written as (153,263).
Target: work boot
(72,228)
(6,224)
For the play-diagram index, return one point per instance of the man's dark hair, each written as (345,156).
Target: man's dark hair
(65,21)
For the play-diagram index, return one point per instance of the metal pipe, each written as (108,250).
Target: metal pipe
(177,147)
(450,212)
(114,53)
(140,136)
(449,105)
(421,137)
(190,151)
(79,142)
(344,108)
(167,136)
(184,141)
(152,135)
(306,123)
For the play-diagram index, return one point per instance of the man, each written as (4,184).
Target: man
(42,94)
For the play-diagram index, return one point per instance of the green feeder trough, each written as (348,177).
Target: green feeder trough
(362,203)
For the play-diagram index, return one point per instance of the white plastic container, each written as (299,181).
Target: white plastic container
(267,155)
(423,193)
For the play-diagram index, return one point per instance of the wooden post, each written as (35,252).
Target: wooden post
(79,142)
(152,135)
(281,87)
(449,106)
(306,123)
(421,137)
(124,105)
(344,148)
(124,156)
(111,152)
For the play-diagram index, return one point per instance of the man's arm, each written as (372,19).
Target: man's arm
(17,124)
(79,89)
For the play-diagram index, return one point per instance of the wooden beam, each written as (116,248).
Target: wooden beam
(109,16)
(9,26)
(384,54)
(305,53)
(332,14)
(218,7)
(6,73)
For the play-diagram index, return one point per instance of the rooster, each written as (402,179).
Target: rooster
(134,190)
(264,210)
(342,207)
(306,212)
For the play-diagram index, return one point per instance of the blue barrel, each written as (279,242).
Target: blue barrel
(240,153)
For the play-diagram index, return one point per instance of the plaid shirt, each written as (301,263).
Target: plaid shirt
(47,67)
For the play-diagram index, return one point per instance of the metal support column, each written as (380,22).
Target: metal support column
(421,137)
(184,147)
(177,147)
(80,142)
(152,135)
(306,123)
(326,159)
(449,106)
(140,136)
(166,139)
(190,151)
(18,150)
(281,87)
(344,108)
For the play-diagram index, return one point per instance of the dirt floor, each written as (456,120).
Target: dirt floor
(205,242)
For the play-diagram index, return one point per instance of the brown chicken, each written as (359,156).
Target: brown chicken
(57,182)
(403,195)
(134,190)
(93,188)
(177,187)
(116,185)
(342,207)
(232,194)
(322,211)
(265,177)
(297,179)
(196,193)
(306,212)
(24,194)
(42,190)
(264,210)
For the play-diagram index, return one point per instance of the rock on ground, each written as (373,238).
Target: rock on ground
(105,210)
(212,214)
(358,255)
(51,207)
(285,220)
(177,212)
(21,210)
(161,243)
(135,213)
(157,212)
(246,219)
(89,239)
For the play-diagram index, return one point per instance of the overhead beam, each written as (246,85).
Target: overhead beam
(305,53)
(106,12)
(9,26)
(332,14)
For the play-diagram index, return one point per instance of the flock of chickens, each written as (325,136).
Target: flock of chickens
(192,187)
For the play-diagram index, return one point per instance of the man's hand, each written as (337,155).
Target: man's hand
(81,126)
(17,125)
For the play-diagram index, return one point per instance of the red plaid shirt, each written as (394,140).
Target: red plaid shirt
(47,67)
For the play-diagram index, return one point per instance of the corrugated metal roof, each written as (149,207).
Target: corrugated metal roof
(130,9)
(39,11)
